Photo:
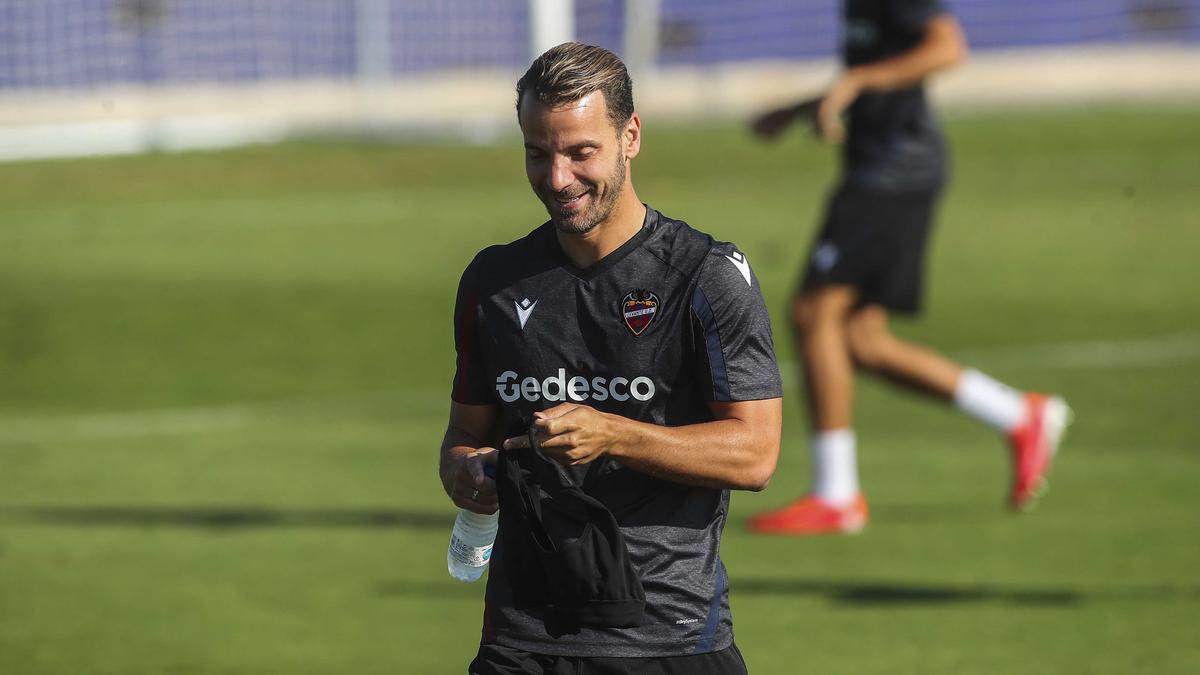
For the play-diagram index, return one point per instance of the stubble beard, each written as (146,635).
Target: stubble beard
(582,223)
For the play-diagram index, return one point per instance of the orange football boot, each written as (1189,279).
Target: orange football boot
(1034,445)
(813,515)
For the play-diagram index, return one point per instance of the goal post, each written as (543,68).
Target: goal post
(552,22)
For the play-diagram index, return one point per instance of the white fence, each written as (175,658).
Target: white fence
(81,77)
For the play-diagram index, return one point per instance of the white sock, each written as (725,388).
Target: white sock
(990,401)
(835,466)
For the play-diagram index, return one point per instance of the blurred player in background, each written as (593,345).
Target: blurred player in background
(868,258)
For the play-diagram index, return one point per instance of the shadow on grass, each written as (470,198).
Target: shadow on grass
(227,518)
(870,594)
(882,594)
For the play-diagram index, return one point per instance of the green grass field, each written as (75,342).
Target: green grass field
(224,378)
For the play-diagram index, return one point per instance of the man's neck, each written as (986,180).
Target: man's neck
(588,248)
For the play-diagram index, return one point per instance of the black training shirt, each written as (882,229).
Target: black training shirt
(894,143)
(668,322)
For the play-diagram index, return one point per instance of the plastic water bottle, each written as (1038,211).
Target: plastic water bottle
(471,544)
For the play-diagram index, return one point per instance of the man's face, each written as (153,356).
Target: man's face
(576,160)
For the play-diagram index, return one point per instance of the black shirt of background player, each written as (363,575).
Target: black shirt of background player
(894,143)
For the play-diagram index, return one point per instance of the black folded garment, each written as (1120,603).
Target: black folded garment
(563,548)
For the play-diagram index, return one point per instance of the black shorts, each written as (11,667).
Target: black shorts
(499,660)
(875,242)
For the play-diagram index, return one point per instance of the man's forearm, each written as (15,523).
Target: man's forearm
(456,444)
(943,46)
(726,453)
(464,457)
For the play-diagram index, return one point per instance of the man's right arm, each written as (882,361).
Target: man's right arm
(942,45)
(465,454)
(465,451)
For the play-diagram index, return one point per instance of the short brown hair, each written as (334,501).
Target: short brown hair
(573,70)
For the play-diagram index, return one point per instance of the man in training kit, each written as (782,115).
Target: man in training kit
(867,261)
(627,360)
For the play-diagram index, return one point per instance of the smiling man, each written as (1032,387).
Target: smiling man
(623,361)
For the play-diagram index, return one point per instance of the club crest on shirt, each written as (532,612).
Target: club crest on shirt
(638,309)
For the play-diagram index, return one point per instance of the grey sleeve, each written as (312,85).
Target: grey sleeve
(735,352)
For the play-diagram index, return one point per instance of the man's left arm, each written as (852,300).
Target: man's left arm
(942,45)
(734,366)
(737,450)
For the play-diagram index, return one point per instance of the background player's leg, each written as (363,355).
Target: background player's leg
(835,503)
(819,319)
(1033,423)
(875,349)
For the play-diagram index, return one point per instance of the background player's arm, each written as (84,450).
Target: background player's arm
(465,454)
(942,46)
(771,124)
(738,450)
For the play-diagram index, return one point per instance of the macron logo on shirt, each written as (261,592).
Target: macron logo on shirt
(739,261)
(524,309)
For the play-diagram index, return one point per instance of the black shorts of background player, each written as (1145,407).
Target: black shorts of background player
(867,262)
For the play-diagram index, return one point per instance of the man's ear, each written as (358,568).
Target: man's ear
(632,136)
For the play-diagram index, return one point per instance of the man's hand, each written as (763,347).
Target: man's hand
(570,434)
(737,450)
(834,103)
(770,125)
(467,484)
(466,455)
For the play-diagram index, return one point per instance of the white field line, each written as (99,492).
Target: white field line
(1099,355)
(203,419)
(1092,355)
(1160,351)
